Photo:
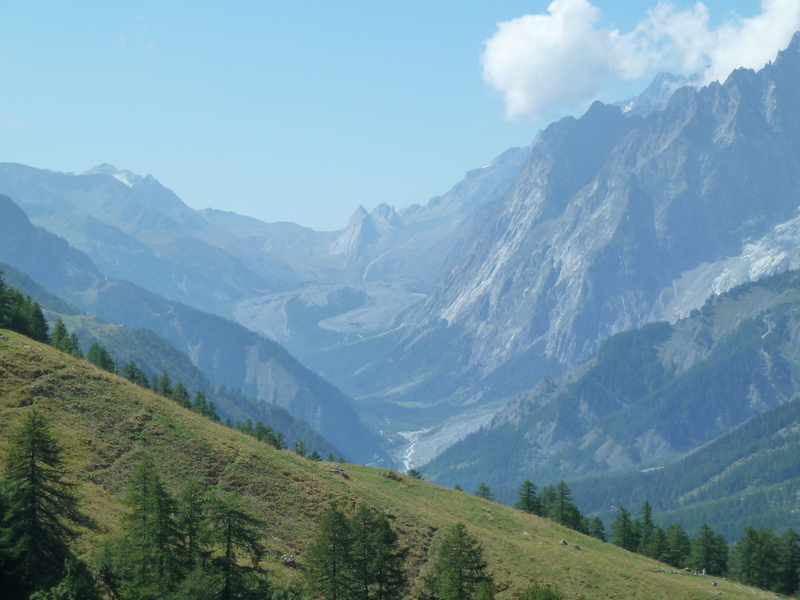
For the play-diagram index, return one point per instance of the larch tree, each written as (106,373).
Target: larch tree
(459,569)
(330,557)
(40,508)
(528,500)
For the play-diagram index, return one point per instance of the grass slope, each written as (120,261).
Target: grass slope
(107,425)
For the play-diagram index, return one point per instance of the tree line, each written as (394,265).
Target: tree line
(203,543)
(760,557)
(23,315)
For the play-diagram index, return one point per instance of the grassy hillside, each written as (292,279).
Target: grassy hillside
(107,425)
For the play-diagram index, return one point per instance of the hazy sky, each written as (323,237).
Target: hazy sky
(300,111)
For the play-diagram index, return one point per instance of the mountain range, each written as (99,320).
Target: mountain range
(435,318)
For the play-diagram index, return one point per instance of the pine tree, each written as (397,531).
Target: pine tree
(3,302)
(459,566)
(596,529)
(362,527)
(559,510)
(623,533)
(546,499)
(151,549)
(528,500)
(235,533)
(163,385)
(678,546)
(389,580)
(484,491)
(709,552)
(330,557)
(200,403)
(300,448)
(98,355)
(37,325)
(181,395)
(316,456)
(191,523)
(644,531)
(788,577)
(60,338)
(280,441)
(39,508)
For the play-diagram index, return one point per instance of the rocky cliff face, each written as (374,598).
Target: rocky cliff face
(612,217)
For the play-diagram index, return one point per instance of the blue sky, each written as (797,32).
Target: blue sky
(300,111)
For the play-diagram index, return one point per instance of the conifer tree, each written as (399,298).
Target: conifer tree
(316,456)
(330,557)
(280,441)
(644,531)
(98,355)
(40,507)
(300,448)
(788,576)
(709,552)
(151,556)
(362,527)
(596,529)
(163,385)
(234,533)
(484,491)
(546,498)
(191,523)
(528,500)
(623,532)
(559,507)
(459,567)
(65,341)
(3,302)
(181,395)
(389,580)
(678,546)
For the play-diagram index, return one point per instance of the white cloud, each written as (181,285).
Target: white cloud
(565,58)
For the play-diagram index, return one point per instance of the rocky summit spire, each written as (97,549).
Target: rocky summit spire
(360,232)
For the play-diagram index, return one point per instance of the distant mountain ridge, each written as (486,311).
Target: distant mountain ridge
(614,222)
(651,396)
(226,352)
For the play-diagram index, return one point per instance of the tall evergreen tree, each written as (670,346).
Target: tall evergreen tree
(191,523)
(788,581)
(527,500)
(234,533)
(644,531)
(3,302)
(458,570)
(678,546)
(98,355)
(362,528)
(330,557)
(596,529)
(623,532)
(163,385)
(40,507)
(181,395)
(151,549)
(546,498)
(484,491)
(300,448)
(562,499)
(389,579)
(63,340)
(709,552)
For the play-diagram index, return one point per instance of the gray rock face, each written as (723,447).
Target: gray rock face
(614,218)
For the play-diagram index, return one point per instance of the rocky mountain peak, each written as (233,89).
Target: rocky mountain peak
(360,232)
(383,214)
